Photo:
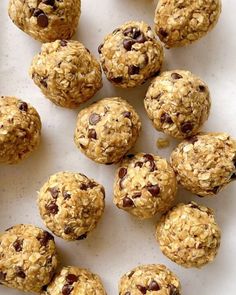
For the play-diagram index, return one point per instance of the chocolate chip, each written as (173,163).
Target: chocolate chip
(174,290)
(18,245)
(133,70)
(42,20)
(44,288)
(130,156)
(127,202)
(130,274)
(128,31)
(54,191)
(94,118)
(82,237)
(163,33)
(142,289)
(136,33)
(67,289)
(71,278)
(128,43)
(176,76)
(148,157)
(154,190)
(138,164)
(166,118)
(49,2)
(141,38)
(20,272)
(2,276)
(23,106)
(202,88)
(68,229)
(92,134)
(153,286)
(44,238)
(66,195)
(100,48)
(44,82)
(37,12)
(52,207)
(186,127)
(136,195)
(193,139)
(63,43)
(118,79)
(122,172)
(126,114)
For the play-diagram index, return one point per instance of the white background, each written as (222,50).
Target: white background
(120,242)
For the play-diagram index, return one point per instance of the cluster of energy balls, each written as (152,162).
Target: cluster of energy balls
(71,204)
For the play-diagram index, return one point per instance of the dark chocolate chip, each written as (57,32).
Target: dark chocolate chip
(141,38)
(66,195)
(128,43)
(127,202)
(154,190)
(37,12)
(44,288)
(49,2)
(193,139)
(100,48)
(128,31)
(174,290)
(42,20)
(52,207)
(67,289)
(186,127)
(2,276)
(68,229)
(126,114)
(136,33)
(202,88)
(82,237)
(136,195)
(142,289)
(92,134)
(122,172)
(18,245)
(163,33)
(138,164)
(153,286)
(94,118)
(133,70)
(54,191)
(63,43)
(23,106)
(166,118)
(44,82)
(44,238)
(118,79)
(130,156)
(71,278)
(20,272)
(176,76)
(130,274)
(148,157)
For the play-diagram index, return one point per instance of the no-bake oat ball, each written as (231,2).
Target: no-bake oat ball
(178,103)
(107,130)
(145,184)
(131,55)
(20,130)
(46,20)
(150,279)
(66,72)
(71,204)
(189,235)
(179,23)
(72,280)
(205,163)
(28,258)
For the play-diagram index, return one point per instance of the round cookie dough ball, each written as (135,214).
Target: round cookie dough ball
(28,258)
(150,279)
(144,185)
(75,281)
(20,130)
(107,130)
(178,103)
(179,23)
(71,204)
(189,235)
(205,163)
(66,72)
(46,20)
(131,55)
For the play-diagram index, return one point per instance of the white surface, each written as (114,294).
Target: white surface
(120,242)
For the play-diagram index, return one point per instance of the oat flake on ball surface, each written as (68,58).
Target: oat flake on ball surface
(46,20)
(131,55)
(28,258)
(205,163)
(20,130)
(145,185)
(107,130)
(189,235)
(71,204)
(66,72)
(181,22)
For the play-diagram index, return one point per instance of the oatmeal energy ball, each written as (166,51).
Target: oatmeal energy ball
(149,279)
(107,130)
(71,204)
(189,235)
(20,130)
(205,163)
(178,103)
(179,23)
(144,185)
(28,258)
(131,55)
(46,20)
(75,281)
(66,72)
